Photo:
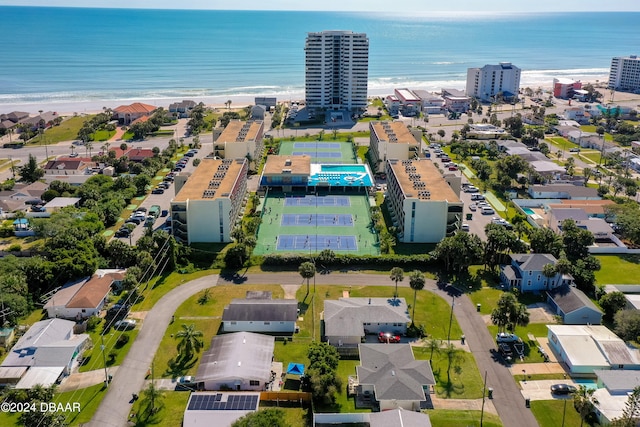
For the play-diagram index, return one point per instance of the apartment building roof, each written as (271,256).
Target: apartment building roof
(240,131)
(394,132)
(296,165)
(418,176)
(212,179)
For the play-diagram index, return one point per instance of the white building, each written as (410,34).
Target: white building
(409,102)
(625,73)
(391,140)
(239,139)
(487,82)
(208,205)
(336,70)
(277,316)
(431,103)
(424,205)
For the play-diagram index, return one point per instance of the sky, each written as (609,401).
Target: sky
(400,6)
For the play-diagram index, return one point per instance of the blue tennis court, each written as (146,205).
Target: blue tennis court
(316,242)
(331,145)
(339,220)
(318,201)
(323,154)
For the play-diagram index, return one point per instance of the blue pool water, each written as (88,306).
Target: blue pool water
(341,176)
(343,168)
(528,211)
(590,384)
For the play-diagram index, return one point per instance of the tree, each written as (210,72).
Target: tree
(549,271)
(323,365)
(576,240)
(153,397)
(397,275)
(611,303)
(433,345)
(190,341)
(545,241)
(627,324)
(236,256)
(631,413)
(584,401)
(416,282)
(270,417)
(459,251)
(509,313)
(31,172)
(441,133)
(307,270)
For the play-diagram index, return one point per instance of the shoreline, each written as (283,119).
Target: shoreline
(79,107)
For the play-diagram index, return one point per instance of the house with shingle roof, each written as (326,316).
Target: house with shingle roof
(139,154)
(182,109)
(85,297)
(126,114)
(393,377)
(348,320)
(573,306)
(65,167)
(526,273)
(261,315)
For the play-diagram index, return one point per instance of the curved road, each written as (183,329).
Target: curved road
(115,407)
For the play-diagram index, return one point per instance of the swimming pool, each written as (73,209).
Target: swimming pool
(354,175)
(343,168)
(588,383)
(528,211)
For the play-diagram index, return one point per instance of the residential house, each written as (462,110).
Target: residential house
(348,320)
(456,101)
(573,306)
(205,409)
(485,131)
(85,297)
(239,361)
(563,191)
(58,203)
(182,109)
(393,377)
(47,344)
(65,167)
(392,418)
(140,154)
(431,103)
(526,273)
(600,229)
(392,103)
(263,314)
(587,348)
(612,394)
(41,121)
(258,112)
(14,116)
(127,114)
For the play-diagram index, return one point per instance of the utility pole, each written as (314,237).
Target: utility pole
(104,360)
(484,392)
(453,300)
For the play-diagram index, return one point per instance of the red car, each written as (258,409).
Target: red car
(387,337)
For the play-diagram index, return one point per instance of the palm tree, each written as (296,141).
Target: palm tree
(584,401)
(228,104)
(416,281)
(190,341)
(453,357)
(153,397)
(433,345)
(397,275)
(307,270)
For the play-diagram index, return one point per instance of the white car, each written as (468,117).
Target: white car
(505,337)
(125,324)
(465,227)
(473,207)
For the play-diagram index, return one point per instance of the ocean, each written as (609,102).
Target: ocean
(76,55)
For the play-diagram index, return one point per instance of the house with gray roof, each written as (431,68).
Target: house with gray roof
(573,306)
(613,392)
(277,316)
(390,373)
(392,418)
(348,320)
(563,191)
(239,361)
(526,273)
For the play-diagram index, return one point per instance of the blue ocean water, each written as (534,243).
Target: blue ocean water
(78,54)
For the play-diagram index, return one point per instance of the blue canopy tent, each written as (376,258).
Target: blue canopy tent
(295,369)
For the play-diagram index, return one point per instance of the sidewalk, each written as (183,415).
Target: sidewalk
(85,379)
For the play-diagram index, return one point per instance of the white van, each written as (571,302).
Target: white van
(486,210)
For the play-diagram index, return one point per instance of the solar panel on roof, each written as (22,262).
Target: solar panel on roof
(213,402)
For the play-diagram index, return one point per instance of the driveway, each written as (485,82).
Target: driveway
(130,378)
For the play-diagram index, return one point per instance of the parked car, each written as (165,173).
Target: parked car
(505,350)
(465,227)
(123,232)
(562,389)
(473,207)
(157,190)
(189,154)
(453,168)
(133,220)
(164,185)
(574,150)
(186,383)
(487,210)
(164,212)
(477,197)
(388,337)
(505,337)
(125,325)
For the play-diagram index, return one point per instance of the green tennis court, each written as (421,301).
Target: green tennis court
(320,151)
(317,224)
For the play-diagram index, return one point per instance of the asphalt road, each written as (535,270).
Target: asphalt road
(130,377)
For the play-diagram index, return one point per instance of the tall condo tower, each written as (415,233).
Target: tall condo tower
(625,73)
(336,70)
(486,82)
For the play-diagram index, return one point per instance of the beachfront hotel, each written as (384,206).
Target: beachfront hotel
(424,205)
(209,203)
(625,73)
(391,140)
(336,70)
(239,139)
(487,82)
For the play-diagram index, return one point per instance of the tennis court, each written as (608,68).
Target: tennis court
(287,220)
(339,220)
(316,243)
(317,201)
(320,151)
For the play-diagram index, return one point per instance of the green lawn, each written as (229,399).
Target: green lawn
(67,131)
(593,156)
(487,298)
(161,285)
(170,414)
(592,128)
(465,380)
(103,135)
(618,269)
(453,418)
(89,399)
(549,413)
(94,358)
(531,354)
(206,318)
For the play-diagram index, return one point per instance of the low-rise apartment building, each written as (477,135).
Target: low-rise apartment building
(209,203)
(390,140)
(239,139)
(424,205)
